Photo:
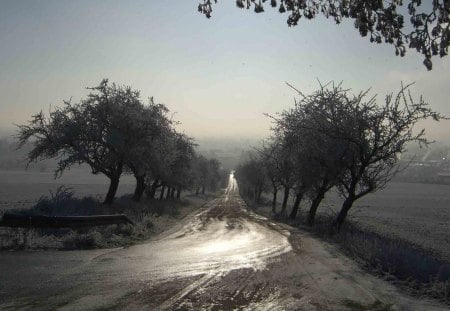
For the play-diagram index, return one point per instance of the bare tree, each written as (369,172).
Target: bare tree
(100,131)
(180,176)
(317,158)
(272,169)
(376,136)
(252,177)
(355,142)
(282,158)
(287,166)
(206,174)
(158,164)
(145,158)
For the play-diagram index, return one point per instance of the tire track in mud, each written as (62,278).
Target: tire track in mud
(235,290)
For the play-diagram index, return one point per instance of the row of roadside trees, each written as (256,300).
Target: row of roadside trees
(332,139)
(114,132)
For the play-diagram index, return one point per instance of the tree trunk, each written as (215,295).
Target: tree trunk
(152,192)
(178,193)
(285,200)
(172,193)
(344,210)
(314,205)
(197,191)
(259,194)
(140,187)
(113,185)
(274,200)
(203,190)
(168,192)
(161,195)
(296,205)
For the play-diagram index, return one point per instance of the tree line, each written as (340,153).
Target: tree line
(332,139)
(114,132)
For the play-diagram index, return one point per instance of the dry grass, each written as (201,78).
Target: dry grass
(418,271)
(401,262)
(150,217)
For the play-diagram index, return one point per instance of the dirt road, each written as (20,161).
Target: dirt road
(223,257)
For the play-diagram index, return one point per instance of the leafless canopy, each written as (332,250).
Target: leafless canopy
(332,138)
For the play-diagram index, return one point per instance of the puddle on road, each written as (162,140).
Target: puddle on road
(215,249)
(222,240)
(223,237)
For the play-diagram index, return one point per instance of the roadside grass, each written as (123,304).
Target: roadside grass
(150,217)
(416,270)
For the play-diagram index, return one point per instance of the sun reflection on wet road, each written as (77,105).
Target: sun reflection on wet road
(223,257)
(222,237)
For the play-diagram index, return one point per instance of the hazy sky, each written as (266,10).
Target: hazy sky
(218,75)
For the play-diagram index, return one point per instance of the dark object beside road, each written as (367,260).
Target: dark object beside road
(28,221)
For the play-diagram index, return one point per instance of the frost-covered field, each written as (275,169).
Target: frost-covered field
(21,189)
(419,213)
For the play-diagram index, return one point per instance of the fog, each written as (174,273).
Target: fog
(222,162)
(218,76)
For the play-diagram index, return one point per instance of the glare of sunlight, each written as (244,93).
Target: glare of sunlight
(232,184)
(222,246)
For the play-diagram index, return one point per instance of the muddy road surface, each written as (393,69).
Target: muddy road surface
(223,257)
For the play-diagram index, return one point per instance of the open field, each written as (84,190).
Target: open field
(419,213)
(221,257)
(416,213)
(400,234)
(21,189)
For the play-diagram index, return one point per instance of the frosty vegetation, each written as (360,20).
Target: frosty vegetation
(423,26)
(332,139)
(114,132)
